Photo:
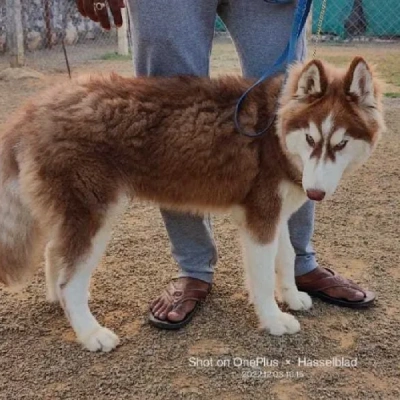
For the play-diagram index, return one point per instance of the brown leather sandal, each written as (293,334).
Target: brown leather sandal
(176,295)
(316,288)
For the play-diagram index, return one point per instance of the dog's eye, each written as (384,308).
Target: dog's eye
(310,141)
(341,145)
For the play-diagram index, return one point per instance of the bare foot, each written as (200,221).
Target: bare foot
(179,299)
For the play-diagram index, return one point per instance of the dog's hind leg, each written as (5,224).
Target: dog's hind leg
(74,284)
(75,270)
(289,293)
(52,271)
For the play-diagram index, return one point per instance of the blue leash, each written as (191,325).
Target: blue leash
(287,57)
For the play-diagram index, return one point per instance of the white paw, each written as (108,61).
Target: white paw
(297,300)
(281,324)
(102,339)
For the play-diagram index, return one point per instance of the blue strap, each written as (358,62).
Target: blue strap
(287,57)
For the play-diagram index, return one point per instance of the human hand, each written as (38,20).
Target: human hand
(96,10)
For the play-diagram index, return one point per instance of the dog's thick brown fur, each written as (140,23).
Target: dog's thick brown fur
(79,146)
(72,153)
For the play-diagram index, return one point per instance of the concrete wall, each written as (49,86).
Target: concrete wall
(63,19)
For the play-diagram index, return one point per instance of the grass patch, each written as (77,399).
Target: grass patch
(115,57)
(385,59)
(392,95)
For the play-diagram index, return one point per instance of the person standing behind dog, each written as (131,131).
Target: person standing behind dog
(175,37)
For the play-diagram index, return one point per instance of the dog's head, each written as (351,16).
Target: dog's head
(329,121)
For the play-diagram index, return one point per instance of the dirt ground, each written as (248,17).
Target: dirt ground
(357,233)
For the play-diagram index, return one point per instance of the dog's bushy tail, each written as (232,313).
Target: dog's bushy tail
(19,233)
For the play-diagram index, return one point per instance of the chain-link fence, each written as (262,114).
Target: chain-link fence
(46,24)
(358,20)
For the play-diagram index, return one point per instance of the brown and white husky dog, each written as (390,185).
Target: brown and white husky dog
(73,156)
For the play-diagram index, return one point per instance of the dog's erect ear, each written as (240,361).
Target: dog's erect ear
(312,80)
(359,82)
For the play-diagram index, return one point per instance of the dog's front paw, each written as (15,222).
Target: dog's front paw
(102,339)
(281,324)
(297,300)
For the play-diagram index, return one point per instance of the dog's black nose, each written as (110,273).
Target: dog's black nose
(314,194)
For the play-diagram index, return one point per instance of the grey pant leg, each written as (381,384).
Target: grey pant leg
(301,228)
(260,32)
(170,38)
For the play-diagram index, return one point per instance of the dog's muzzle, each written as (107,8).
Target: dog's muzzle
(316,195)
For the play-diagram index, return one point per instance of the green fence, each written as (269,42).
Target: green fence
(219,25)
(349,18)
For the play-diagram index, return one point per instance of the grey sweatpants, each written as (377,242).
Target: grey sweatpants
(173,37)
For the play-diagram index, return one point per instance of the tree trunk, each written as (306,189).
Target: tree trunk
(15,36)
